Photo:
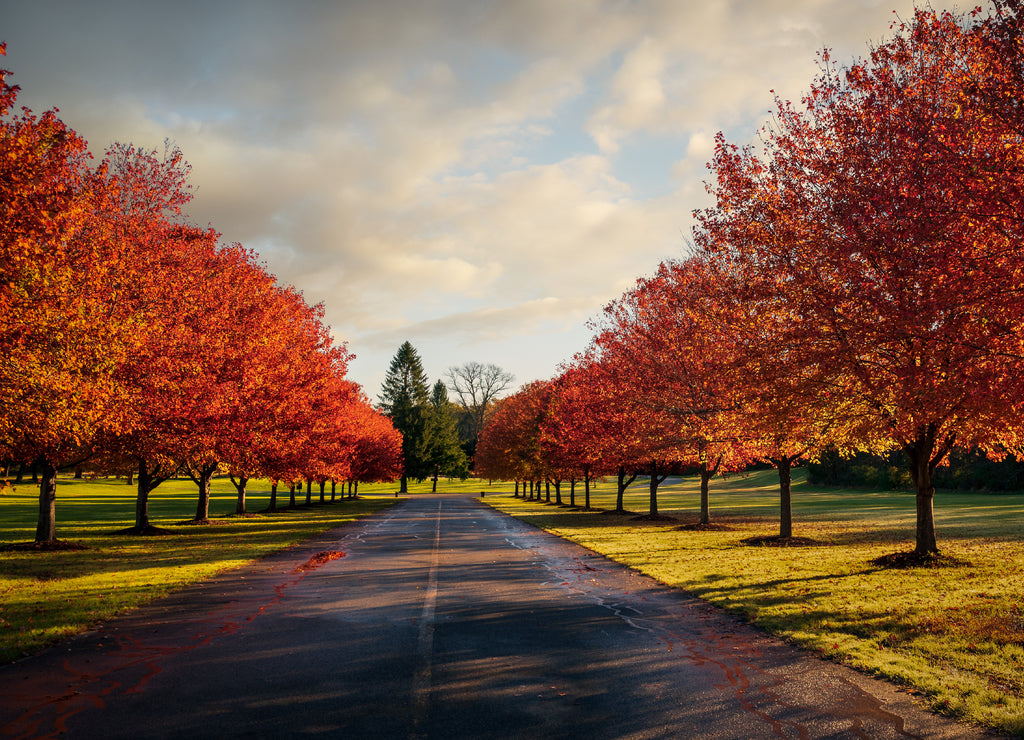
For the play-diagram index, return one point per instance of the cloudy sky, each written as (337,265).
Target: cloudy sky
(477,177)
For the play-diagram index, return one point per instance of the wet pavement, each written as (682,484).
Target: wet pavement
(441,618)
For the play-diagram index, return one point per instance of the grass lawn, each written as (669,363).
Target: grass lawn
(47,596)
(955,635)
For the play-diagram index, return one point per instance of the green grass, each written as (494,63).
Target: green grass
(48,596)
(472,486)
(953,634)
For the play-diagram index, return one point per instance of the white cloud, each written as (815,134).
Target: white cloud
(437,168)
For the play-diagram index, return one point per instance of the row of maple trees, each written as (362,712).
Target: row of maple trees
(857,285)
(143,344)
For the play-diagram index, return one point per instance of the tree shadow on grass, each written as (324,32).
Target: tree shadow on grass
(146,530)
(912,559)
(655,519)
(780,541)
(54,546)
(706,527)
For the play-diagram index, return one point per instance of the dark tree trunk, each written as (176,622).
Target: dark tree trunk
(403,485)
(924,457)
(572,492)
(547,491)
(705,494)
(203,478)
(240,483)
(323,485)
(272,506)
(46,527)
(706,474)
(656,480)
(516,494)
(623,483)
(586,490)
(433,481)
(309,492)
(785,464)
(334,490)
(78,472)
(558,491)
(143,488)
(653,490)
(291,495)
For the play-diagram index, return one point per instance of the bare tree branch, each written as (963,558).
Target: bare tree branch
(475,387)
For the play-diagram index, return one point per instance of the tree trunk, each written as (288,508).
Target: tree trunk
(558,491)
(323,485)
(623,484)
(706,474)
(705,496)
(653,488)
(240,485)
(572,492)
(334,490)
(586,490)
(272,506)
(143,488)
(403,486)
(923,459)
(785,464)
(46,527)
(204,480)
(547,490)
(433,481)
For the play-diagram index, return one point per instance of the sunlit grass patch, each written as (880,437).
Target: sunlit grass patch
(955,634)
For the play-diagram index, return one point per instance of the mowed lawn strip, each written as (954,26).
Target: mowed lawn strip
(953,634)
(48,596)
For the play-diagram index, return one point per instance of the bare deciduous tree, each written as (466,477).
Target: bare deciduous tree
(475,387)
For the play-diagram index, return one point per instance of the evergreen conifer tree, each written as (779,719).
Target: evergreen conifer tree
(405,399)
(444,450)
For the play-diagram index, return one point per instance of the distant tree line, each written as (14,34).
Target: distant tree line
(968,470)
(439,436)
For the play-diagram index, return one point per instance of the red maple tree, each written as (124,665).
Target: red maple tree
(886,210)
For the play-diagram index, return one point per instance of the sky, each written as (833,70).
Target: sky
(479,178)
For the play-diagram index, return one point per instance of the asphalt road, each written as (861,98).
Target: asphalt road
(442,619)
